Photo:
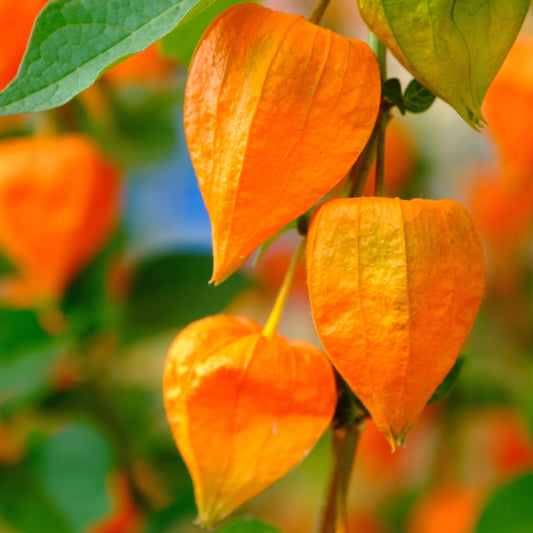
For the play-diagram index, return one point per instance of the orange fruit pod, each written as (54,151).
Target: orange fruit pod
(508,106)
(502,209)
(59,199)
(244,408)
(446,509)
(148,66)
(16,22)
(395,286)
(277,110)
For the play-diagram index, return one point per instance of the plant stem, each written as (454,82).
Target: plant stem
(355,185)
(275,315)
(375,147)
(316,16)
(383,118)
(344,440)
(381,53)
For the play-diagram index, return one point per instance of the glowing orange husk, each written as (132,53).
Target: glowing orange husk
(148,66)
(395,287)
(16,21)
(244,409)
(508,109)
(276,112)
(59,200)
(502,208)
(447,509)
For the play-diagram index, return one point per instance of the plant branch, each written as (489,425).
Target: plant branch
(381,124)
(316,16)
(272,323)
(381,53)
(358,176)
(344,440)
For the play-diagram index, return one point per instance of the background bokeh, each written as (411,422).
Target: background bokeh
(84,441)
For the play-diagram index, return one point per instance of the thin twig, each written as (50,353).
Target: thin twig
(316,16)
(344,440)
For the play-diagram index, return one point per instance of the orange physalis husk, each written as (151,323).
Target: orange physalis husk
(446,509)
(59,200)
(16,22)
(508,108)
(502,209)
(146,67)
(395,286)
(244,408)
(277,110)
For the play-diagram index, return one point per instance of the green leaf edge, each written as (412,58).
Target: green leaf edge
(14,100)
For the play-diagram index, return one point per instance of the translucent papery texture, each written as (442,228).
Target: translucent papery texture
(244,409)
(59,201)
(395,287)
(276,112)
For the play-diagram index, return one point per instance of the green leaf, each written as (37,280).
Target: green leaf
(247,526)
(454,48)
(417,98)
(509,509)
(171,291)
(25,506)
(87,304)
(444,389)
(139,129)
(73,467)
(392,91)
(180,43)
(26,374)
(20,330)
(73,41)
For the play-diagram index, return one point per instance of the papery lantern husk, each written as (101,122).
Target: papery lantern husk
(395,286)
(244,409)
(276,112)
(59,202)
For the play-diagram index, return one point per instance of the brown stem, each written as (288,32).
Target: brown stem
(344,442)
(383,119)
(355,185)
(316,16)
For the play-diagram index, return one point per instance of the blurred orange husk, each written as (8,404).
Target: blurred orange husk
(59,199)
(501,208)
(146,67)
(16,22)
(508,108)
(447,509)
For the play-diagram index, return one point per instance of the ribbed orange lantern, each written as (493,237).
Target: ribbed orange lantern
(277,110)
(244,408)
(59,200)
(395,286)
